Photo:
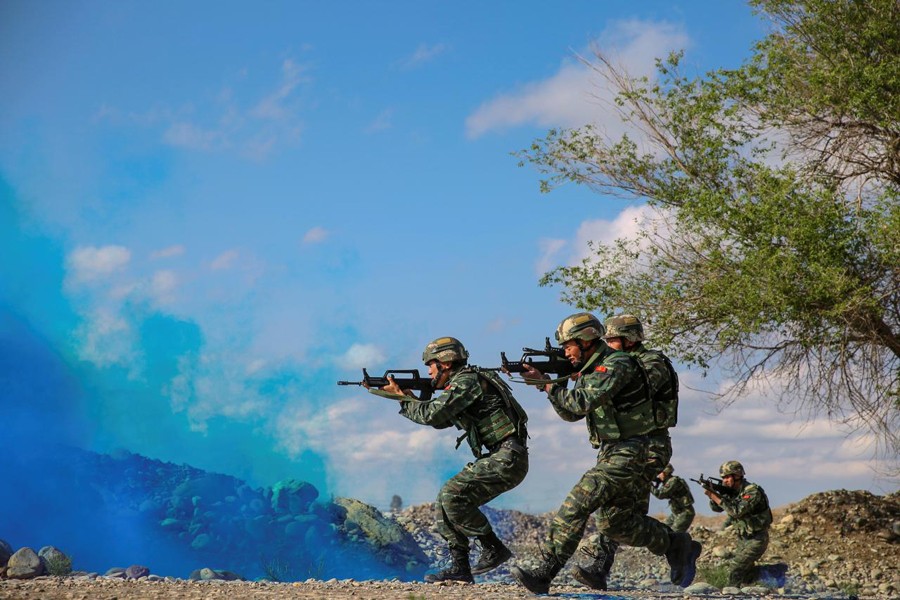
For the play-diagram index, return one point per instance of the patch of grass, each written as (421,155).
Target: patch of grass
(59,564)
(716,576)
(850,589)
(278,570)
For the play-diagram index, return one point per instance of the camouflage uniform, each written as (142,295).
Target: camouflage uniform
(681,502)
(749,514)
(475,406)
(612,398)
(663,384)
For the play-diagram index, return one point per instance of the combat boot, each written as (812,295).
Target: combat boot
(493,554)
(594,574)
(682,558)
(538,580)
(458,570)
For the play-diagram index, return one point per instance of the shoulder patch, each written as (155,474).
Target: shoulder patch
(747,496)
(600,369)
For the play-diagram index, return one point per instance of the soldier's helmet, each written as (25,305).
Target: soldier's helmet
(445,349)
(625,326)
(669,469)
(581,326)
(732,467)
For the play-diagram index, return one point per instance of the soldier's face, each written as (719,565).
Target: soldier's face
(573,351)
(437,371)
(732,481)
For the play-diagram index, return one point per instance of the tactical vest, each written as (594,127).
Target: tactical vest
(758,521)
(632,410)
(665,400)
(501,417)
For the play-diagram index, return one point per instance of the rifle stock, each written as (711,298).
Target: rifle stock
(414,381)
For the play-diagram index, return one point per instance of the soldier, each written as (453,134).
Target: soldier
(749,514)
(611,395)
(481,404)
(681,502)
(626,333)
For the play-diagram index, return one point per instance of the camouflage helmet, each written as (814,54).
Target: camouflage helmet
(445,349)
(669,469)
(732,467)
(625,326)
(582,326)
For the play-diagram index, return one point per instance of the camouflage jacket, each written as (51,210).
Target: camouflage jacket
(611,394)
(676,491)
(748,510)
(472,405)
(663,384)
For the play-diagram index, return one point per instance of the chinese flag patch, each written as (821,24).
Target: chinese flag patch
(746,496)
(600,369)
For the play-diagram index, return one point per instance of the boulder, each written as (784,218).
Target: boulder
(390,542)
(136,572)
(24,564)
(292,496)
(56,562)
(5,552)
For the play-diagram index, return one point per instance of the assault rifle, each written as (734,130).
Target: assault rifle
(714,485)
(414,382)
(556,362)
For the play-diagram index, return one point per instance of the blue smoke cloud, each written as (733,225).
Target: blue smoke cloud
(52,402)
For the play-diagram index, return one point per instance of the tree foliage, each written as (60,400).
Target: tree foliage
(775,249)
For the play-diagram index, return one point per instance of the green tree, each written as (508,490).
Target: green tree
(774,248)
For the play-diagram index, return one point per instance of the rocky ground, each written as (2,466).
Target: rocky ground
(838,544)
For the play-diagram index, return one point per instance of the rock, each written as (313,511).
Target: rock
(5,552)
(201,541)
(136,572)
(293,496)
(115,572)
(701,589)
(384,535)
(56,562)
(24,564)
(207,574)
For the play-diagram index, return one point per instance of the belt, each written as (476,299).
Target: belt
(510,443)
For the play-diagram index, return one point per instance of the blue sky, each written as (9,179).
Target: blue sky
(214,210)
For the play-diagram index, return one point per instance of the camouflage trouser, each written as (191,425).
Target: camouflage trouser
(680,521)
(659,453)
(610,483)
(741,567)
(458,514)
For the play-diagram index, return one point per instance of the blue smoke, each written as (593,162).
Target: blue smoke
(57,412)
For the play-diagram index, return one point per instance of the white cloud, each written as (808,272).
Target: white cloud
(224,121)
(193,137)
(627,224)
(570,97)
(381,123)
(273,106)
(315,235)
(549,250)
(91,263)
(423,54)
(163,285)
(106,339)
(224,260)
(167,252)
(361,355)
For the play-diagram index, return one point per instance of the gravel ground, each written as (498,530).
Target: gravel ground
(82,588)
